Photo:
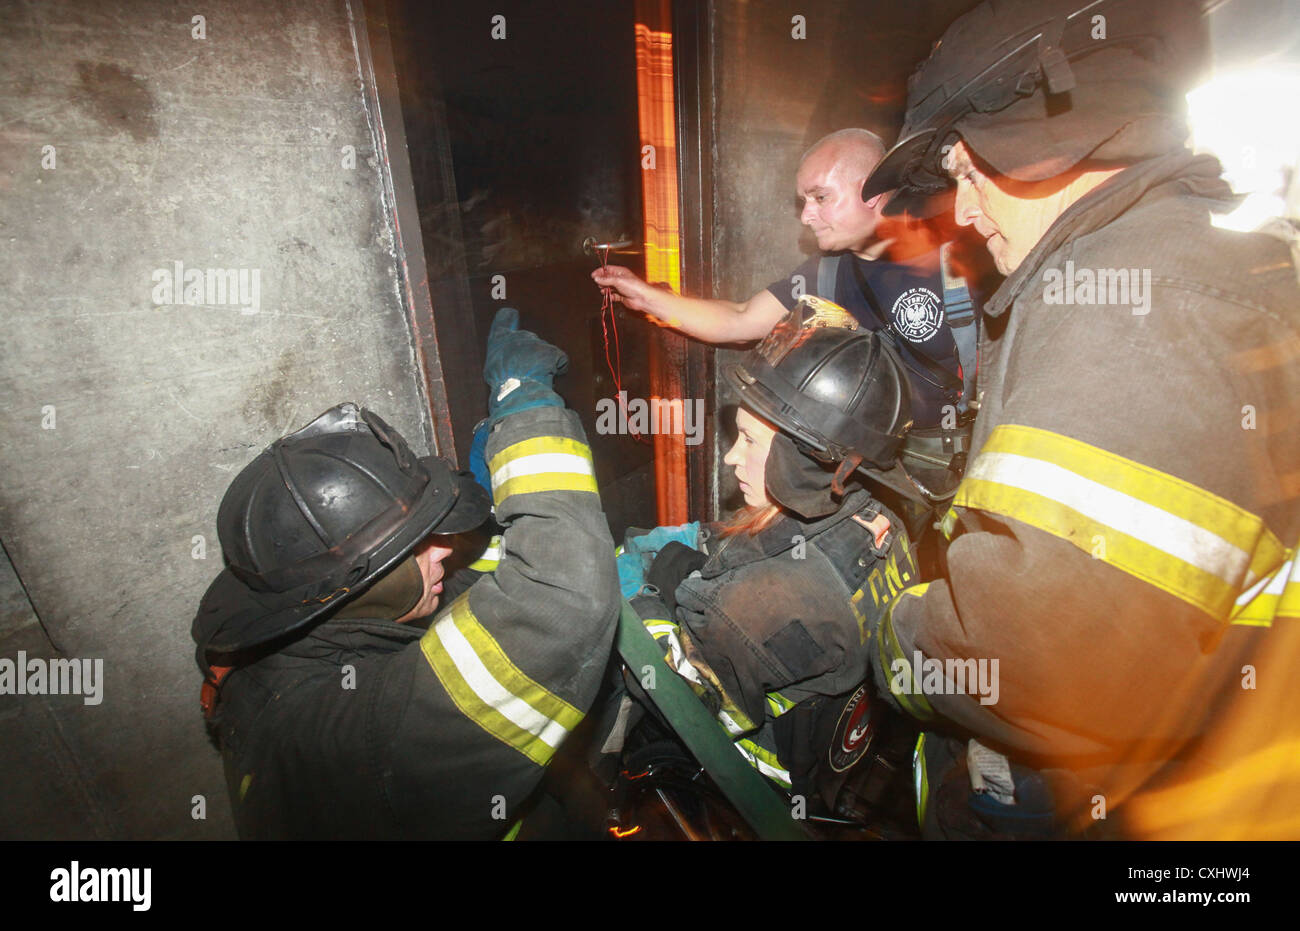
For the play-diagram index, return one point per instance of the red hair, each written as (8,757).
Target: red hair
(749,520)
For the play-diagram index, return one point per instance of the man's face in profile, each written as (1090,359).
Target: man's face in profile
(429,554)
(1012,216)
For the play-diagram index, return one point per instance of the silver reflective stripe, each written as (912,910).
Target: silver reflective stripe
(1145,522)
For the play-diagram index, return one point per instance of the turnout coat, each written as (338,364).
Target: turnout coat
(373,729)
(1124,539)
(774,621)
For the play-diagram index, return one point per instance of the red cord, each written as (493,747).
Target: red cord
(611,324)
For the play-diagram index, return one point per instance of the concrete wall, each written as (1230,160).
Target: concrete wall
(124,420)
(776,94)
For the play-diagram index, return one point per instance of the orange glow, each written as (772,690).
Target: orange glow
(1250,799)
(656,117)
(1246,783)
(617,832)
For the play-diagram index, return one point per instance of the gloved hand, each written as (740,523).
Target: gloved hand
(652,541)
(478,454)
(631,572)
(639,548)
(519,368)
(675,562)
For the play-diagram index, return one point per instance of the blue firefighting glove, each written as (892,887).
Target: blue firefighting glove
(519,368)
(639,549)
(651,542)
(478,454)
(631,572)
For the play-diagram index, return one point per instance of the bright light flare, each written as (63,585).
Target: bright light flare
(1247,119)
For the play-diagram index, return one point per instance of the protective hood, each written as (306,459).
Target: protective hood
(798,482)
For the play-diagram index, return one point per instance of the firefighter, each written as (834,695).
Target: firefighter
(339,712)
(889,275)
(1123,543)
(767,615)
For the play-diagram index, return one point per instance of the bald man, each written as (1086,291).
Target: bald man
(888,276)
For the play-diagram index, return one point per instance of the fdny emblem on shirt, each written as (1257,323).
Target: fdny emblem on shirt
(853,732)
(917,314)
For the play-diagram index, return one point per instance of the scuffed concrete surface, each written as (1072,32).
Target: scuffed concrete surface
(222,152)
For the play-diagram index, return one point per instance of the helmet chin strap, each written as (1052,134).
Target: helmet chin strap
(847,467)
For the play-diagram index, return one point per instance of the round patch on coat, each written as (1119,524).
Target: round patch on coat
(853,731)
(917,314)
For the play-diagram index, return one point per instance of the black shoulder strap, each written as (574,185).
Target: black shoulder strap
(827,271)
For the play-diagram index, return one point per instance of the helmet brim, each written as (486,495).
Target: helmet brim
(894,174)
(233,618)
(891,172)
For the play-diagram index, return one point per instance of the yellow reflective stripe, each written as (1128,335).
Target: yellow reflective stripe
(549,481)
(1274,596)
(491,557)
(948,524)
(763,760)
(536,445)
(490,690)
(677,661)
(888,650)
(731,725)
(921,780)
(1181,539)
(778,704)
(735,721)
(514,831)
(705,683)
(542,463)
(659,628)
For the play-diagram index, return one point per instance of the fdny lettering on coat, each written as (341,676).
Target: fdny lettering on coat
(887,578)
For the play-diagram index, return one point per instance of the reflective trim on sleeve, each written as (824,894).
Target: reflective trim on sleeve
(948,524)
(763,760)
(921,780)
(490,690)
(733,726)
(491,557)
(542,463)
(659,628)
(889,651)
(703,683)
(1182,539)
(733,719)
(1274,596)
(676,658)
(778,704)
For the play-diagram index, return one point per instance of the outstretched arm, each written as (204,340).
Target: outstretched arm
(711,321)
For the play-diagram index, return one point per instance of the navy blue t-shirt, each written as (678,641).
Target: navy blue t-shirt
(910,298)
